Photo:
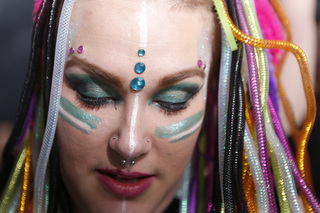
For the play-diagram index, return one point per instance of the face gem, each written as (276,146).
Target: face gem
(141,52)
(137,84)
(140,67)
(71,50)
(199,63)
(80,49)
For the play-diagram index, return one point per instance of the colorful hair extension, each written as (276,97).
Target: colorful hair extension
(36,8)
(58,70)
(266,128)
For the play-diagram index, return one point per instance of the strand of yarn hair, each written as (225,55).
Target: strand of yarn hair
(40,175)
(277,6)
(305,131)
(12,184)
(287,108)
(248,10)
(248,185)
(223,97)
(255,167)
(303,186)
(286,189)
(258,101)
(283,177)
(26,180)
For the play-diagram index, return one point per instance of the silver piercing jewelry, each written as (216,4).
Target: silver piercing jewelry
(147,140)
(114,137)
(123,161)
(133,162)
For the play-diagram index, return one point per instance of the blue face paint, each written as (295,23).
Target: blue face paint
(76,117)
(180,130)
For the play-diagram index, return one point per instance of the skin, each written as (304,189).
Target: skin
(129,119)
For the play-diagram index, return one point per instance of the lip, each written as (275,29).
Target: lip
(125,184)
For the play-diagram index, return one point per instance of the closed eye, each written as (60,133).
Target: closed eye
(174,99)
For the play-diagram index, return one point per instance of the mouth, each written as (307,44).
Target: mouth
(125,184)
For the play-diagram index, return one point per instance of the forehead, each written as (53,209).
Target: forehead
(116,29)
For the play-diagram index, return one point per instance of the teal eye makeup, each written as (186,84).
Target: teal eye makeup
(175,98)
(91,91)
(180,130)
(77,118)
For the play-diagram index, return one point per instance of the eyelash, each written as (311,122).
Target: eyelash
(93,103)
(174,108)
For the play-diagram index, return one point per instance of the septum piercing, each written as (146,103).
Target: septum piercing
(123,161)
(132,162)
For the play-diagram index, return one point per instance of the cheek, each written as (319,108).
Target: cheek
(77,150)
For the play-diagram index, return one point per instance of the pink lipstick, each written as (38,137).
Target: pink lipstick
(125,184)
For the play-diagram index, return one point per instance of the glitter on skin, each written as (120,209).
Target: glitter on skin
(77,118)
(132,142)
(143,24)
(124,205)
(180,130)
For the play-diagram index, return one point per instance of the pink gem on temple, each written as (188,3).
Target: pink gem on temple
(80,49)
(204,67)
(71,50)
(199,63)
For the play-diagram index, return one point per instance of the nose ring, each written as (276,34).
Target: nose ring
(124,161)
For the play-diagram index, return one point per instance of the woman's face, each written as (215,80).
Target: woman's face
(105,124)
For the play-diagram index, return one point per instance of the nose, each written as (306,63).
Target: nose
(131,139)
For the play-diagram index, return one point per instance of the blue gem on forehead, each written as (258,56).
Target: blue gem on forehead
(138,84)
(140,67)
(141,52)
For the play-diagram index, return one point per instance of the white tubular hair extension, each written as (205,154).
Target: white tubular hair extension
(39,201)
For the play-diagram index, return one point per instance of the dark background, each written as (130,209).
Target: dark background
(15,41)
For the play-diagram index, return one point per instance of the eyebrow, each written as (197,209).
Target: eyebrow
(116,81)
(176,77)
(96,70)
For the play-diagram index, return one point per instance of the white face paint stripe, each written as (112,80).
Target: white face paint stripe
(74,120)
(132,142)
(183,134)
(205,53)
(124,205)
(143,24)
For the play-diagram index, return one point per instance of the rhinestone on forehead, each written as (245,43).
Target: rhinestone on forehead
(138,83)
(141,52)
(140,67)
(80,49)
(200,64)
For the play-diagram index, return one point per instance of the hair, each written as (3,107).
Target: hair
(34,103)
(205,188)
